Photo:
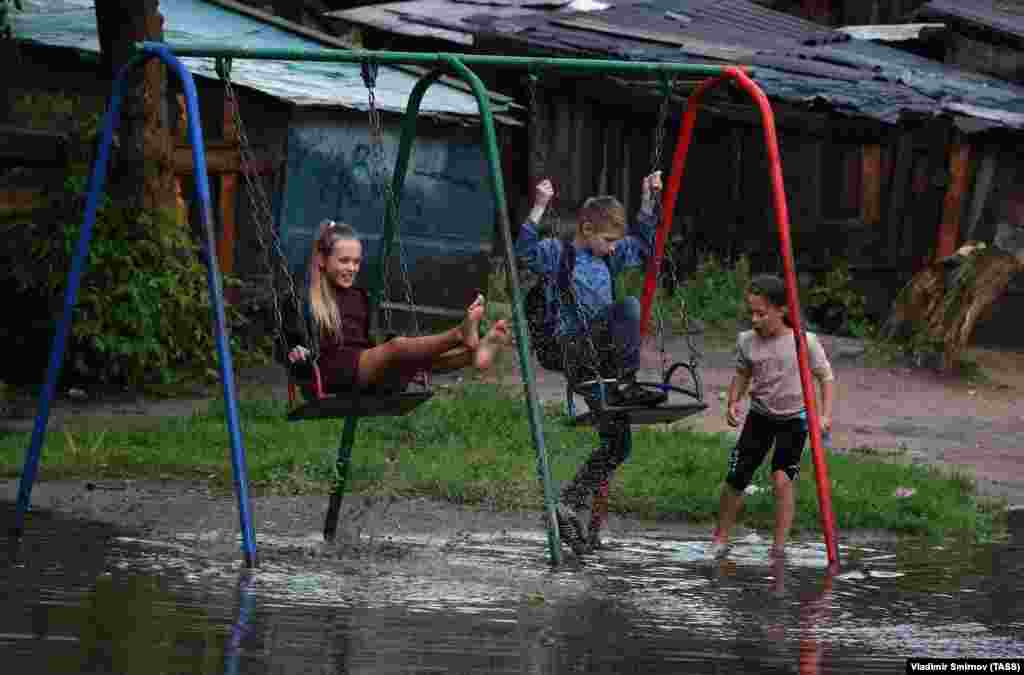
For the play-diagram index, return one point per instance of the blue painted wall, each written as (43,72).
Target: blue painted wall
(447,209)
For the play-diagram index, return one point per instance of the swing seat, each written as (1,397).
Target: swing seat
(661,414)
(319,405)
(666,402)
(360,405)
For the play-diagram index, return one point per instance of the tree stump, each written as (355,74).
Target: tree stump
(944,301)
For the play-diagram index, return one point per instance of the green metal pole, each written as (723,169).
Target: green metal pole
(439,59)
(498,188)
(519,318)
(398,182)
(341,470)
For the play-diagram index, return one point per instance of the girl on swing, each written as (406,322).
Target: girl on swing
(339,310)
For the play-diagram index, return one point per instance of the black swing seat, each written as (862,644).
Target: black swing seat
(369,403)
(649,402)
(360,404)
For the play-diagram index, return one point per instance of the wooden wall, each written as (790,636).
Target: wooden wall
(877,196)
(847,12)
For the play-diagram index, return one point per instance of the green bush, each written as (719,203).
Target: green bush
(716,293)
(835,305)
(143,313)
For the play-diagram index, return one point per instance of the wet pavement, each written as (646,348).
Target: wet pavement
(476,595)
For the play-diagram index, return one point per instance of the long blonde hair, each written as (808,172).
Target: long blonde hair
(323,304)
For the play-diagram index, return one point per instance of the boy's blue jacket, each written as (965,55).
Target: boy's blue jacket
(592,278)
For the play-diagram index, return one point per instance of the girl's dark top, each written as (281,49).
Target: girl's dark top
(339,354)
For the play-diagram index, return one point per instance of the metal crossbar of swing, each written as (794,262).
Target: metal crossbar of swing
(456,64)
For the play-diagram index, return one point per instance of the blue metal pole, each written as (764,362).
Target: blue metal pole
(195,135)
(242,627)
(78,263)
(97,180)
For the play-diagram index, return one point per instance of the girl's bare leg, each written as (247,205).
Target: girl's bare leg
(378,364)
(499,336)
(453,359)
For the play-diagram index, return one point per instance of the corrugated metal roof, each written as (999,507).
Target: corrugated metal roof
(794,61)
(441,19)
(902,32)
(1004,16)
(72,23)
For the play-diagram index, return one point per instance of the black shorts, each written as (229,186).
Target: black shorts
(760,433)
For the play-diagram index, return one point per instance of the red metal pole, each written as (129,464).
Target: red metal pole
(782,221)
(786,248)
(668,202)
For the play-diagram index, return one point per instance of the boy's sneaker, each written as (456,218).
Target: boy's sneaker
(570,530)
(637,395)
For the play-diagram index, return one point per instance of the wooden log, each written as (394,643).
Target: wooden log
(220,158)
(991,274)
(226,243)
(871,184)
(952,206)
(945,300)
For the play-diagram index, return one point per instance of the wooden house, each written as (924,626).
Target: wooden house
(308,127)
(884,150)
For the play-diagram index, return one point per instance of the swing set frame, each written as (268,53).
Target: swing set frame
(442,64)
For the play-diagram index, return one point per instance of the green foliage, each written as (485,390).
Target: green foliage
(143,312)
(836,305)
(715,294)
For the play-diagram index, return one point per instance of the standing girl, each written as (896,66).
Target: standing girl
(767,366)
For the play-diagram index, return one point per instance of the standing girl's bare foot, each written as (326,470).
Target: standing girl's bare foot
(499,336)
(470,327)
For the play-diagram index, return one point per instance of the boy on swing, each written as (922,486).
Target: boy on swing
(595,336)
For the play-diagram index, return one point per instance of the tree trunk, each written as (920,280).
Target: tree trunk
(144,170)
(946,299)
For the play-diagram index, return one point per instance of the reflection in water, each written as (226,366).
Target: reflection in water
(82,599)
(246,603)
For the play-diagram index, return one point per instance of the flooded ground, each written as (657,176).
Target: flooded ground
(120,582)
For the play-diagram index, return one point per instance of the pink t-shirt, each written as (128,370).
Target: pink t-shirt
(774,371)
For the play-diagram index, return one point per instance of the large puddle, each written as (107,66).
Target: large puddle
(82,597)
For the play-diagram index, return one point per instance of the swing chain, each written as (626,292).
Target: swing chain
(537,164)
(538,156)
(667,87)
(369,70)
(266,231)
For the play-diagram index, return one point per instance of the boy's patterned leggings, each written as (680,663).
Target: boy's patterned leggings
(615,447)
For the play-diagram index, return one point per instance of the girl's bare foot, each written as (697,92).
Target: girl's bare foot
(499,336)
(471,324)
